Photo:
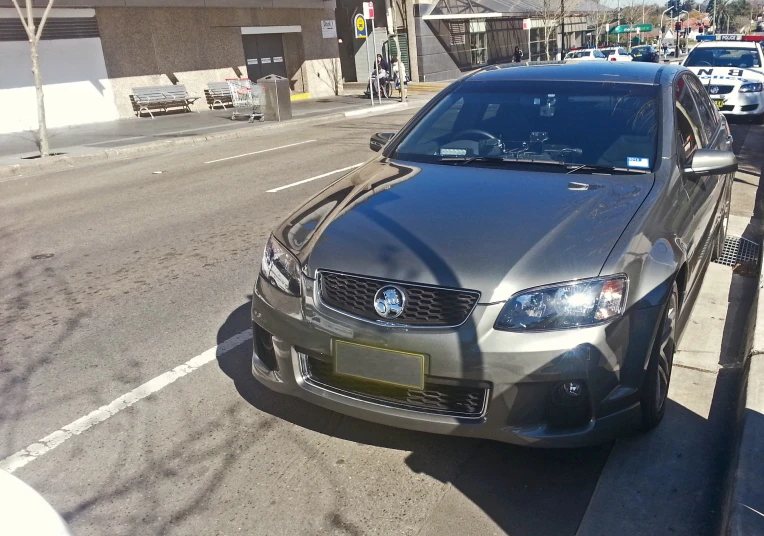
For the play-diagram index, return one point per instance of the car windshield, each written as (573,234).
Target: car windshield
(744,58)
(641,49)
(608,52)
(592,124)
(577,54)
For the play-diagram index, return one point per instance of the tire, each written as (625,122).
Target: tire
(658,375)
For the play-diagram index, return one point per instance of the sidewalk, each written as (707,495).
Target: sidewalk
(18,150)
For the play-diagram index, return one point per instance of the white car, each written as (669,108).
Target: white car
(616,54)
(730,67)
(24,512)
(589,54)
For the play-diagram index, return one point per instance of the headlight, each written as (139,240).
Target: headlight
(280,268)
(568,305)
(756,87)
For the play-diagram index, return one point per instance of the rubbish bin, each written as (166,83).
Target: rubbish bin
(278,105)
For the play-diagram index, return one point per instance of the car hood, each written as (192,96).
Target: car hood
(497,231)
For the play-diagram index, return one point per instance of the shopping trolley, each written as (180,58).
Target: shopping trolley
(246,96)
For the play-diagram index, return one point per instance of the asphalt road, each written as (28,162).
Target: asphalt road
(116,273)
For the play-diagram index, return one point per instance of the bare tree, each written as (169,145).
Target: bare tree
(334,72)
(551,14)
(34,34)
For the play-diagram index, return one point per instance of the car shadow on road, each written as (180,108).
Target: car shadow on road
(515,487)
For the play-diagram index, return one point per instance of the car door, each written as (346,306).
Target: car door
(719,138)
(702,192)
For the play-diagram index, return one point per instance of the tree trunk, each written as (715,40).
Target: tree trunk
(42,128)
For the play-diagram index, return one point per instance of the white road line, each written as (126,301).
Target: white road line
(51,441)
(314,178)
(258,152)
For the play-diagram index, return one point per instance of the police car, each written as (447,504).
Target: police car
(731,68)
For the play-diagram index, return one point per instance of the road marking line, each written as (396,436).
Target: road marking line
(314,178)
(258,152)
(51,441)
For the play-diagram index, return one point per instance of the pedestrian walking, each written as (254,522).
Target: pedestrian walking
(518,55)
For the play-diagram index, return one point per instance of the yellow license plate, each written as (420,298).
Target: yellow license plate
(402,369)
(719,103)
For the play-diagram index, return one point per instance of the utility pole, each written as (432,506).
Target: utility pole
(562,24)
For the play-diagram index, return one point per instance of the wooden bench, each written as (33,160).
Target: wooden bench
(218,94)
(149,98)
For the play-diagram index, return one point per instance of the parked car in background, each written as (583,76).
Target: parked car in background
(646,53)
(616,54)
(576,56)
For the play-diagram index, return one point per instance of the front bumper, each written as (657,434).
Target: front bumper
(520,370)
(741,104)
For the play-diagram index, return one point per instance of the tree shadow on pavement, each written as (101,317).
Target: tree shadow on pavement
(524,491)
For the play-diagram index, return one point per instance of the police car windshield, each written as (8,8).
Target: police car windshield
(743,58)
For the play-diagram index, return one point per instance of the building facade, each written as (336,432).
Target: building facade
(93,53)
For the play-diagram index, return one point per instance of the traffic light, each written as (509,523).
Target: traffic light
(673,6)
(678,27)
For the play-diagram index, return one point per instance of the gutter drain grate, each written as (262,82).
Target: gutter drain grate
(738,251)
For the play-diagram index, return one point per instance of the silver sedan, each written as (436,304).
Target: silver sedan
(516,264)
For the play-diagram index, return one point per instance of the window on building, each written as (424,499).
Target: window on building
(458,31)
(477,42)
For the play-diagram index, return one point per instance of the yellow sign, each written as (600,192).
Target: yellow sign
(360,27)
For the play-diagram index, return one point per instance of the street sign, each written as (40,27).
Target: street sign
(359,24)
(368,10)
(631,28)
(526,24)
(328,29)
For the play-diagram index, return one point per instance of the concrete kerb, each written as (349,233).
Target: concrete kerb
(744,505)
(58,163)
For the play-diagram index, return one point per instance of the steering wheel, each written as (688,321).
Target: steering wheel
(486,135)
(704,63)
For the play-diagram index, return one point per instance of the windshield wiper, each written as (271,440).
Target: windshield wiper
(462,160)
(604,169)
(495,160)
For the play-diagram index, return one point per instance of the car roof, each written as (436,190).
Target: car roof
(621,72)
(727,44)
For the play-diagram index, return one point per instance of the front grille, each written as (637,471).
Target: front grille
(426,306)
(748,107)
(727,108)
(720,90)
(438,398)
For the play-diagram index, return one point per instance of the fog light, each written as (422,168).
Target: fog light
(263,346)
(569,405)
(573,389)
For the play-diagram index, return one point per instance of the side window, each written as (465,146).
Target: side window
(686,134)
(689,110)
(709,117)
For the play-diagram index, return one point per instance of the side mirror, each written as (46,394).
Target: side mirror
(379,140)
(711,162)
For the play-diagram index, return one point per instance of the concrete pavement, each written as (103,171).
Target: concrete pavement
(115,275)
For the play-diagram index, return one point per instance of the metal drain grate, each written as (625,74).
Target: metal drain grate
(738,250)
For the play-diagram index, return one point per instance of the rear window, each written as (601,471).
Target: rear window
(588,123)
(744,58)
